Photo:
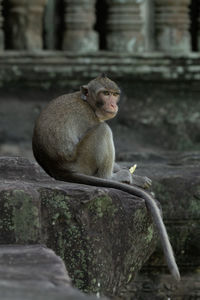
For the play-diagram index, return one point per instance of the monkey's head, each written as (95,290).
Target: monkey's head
(103,95)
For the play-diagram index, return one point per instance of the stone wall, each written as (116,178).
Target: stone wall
(160,96)
(145,46)
(120,25)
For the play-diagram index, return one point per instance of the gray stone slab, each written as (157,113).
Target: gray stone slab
(34,272)
(103,235)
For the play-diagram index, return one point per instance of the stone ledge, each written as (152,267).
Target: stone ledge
(59,66)
(34,272)
(176,183)
(103,235)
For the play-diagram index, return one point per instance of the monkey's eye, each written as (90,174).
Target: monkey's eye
(116,94)
(106,93)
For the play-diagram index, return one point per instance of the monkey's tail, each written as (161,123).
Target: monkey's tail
(151,205)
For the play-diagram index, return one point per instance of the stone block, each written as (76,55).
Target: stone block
(103,235)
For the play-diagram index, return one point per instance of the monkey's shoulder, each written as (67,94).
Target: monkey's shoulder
(71,104)
(65,101)
(68,118)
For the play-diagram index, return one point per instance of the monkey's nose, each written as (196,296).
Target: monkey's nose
(113,105)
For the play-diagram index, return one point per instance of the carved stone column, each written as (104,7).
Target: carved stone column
(198,26)
(125,26)
(1,30)
(26,23)
(79,35)
(172,23)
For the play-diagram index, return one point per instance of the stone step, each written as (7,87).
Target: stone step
(34,272)
(103,235)
(176,184)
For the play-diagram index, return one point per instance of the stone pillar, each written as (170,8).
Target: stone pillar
(49,25)
(172,23)
(149,25)
(125,26)
(26,23)
(1,30)
(198,26)
(80,18)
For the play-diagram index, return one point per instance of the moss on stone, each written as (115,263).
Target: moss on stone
(21,217)
(150,234)
(194,206)
(6,222)
(101,206)
(67,243)
(25,217)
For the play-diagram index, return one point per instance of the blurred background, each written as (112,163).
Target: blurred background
(151,48)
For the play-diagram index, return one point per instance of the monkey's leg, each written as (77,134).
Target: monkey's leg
(116,168)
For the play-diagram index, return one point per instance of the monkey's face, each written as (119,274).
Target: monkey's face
(103,96)
(106,104)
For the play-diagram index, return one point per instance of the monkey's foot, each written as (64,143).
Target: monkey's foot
(124,176)
(141,181)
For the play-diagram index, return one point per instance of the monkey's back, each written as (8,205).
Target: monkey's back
(60,127)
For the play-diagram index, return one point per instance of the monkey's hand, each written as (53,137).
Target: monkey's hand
(141,181)
(124,176)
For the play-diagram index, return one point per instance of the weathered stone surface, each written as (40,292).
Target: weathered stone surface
(155,111)
(1,30)
(176,183)
(103,235)
(125,26)
(127,20)
(67,69)
(161,116)
(26,24)
(176,180)
(150,285)
(34,272)
(172,25)
(79,35)
(198,24)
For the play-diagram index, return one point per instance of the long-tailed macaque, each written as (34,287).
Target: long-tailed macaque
(72,143)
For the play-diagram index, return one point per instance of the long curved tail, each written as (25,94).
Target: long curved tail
(151,205)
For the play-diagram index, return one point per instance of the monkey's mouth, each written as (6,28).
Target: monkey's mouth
(105,114)
(112,112)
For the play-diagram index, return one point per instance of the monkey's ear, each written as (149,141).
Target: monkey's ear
(103,75)
(84,92)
